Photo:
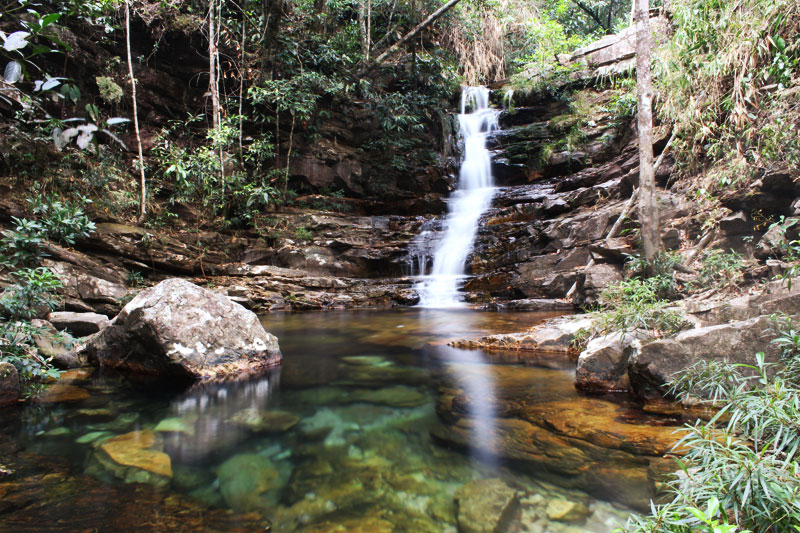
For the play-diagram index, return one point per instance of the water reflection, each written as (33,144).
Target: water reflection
(204,417)
(478,386)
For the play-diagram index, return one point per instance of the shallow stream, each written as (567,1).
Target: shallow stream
(345,436)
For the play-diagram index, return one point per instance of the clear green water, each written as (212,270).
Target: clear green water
(338,439)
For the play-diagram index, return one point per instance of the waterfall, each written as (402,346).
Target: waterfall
(469,201)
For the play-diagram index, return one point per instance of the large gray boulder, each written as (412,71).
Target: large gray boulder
(603,365)
(653,365)
(177,329)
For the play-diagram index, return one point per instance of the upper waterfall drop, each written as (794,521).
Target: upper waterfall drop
(468,203)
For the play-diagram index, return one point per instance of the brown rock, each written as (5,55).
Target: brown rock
(486,506)
(63,393)
(135,457)
(79,324)
(9,384)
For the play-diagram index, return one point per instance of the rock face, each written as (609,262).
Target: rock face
(486,506)
(177,329)
(9,384)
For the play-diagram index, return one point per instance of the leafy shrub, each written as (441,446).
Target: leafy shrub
(34,290)
(63,222)
(745,470)
(637,304)
(17,347)
(720,268)
(303,234)
(20,246)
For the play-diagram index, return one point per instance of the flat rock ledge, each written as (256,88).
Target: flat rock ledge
(179,330)
(554,335)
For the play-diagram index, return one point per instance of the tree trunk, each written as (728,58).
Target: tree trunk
(142,184)
(648,201)
(408,36)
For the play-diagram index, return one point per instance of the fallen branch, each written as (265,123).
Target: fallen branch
(407,37)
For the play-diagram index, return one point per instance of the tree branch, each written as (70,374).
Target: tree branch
(408,36)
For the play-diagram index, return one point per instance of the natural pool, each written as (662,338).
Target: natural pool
(372,424)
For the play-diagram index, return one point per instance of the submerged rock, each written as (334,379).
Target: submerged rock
(265,421)
(566,511)
(63,393)
(486,506)
(177,329)
(135,457)
(245,479)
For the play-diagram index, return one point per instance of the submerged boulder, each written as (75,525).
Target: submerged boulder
(177,329)
(486,506)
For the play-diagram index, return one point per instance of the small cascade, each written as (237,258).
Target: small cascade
(469,201)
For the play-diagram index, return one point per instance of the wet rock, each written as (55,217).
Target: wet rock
(555,335)
(177,329)
(9,384)
(135,457)
(63,393)
(245,480)
(566,511)
(265,421)
(79,324)
(486,506)
(654,364)
(603,365)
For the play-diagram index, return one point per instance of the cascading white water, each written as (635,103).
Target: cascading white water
(469,201)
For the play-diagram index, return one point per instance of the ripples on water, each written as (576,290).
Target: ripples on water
(338,437)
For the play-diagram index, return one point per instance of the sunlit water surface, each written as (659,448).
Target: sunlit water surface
(337,439)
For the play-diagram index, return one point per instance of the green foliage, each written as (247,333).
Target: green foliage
(20,246)
(62,221)
(720,268)
(109,90)
(747,466)
(303,234)
(35,289)
(724,81)
(17,347)
(638,304)
(622,104)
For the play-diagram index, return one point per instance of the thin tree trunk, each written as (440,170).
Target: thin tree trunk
(288,158)
(213,88)
(369,29)
(362,28)
(408,36)
(142,184)
(242,71)
(648,201)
